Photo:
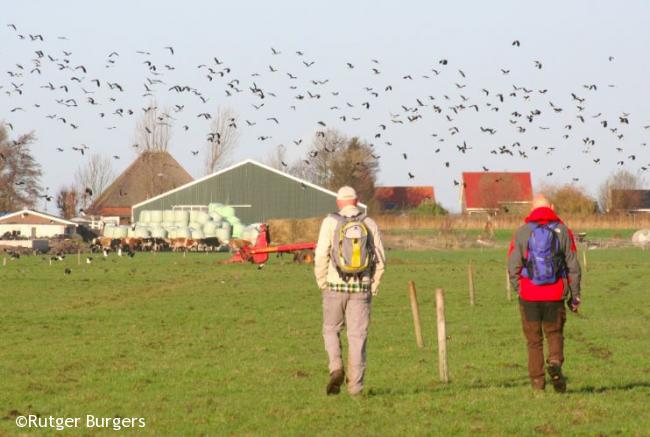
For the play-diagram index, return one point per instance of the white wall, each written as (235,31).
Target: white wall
(42,231)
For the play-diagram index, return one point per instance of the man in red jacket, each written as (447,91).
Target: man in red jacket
(544,269)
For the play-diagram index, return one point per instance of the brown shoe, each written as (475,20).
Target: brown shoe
(555,372)
(538,383)
(336,380)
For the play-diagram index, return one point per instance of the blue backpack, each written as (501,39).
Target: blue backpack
(545,262)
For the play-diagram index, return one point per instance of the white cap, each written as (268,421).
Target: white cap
(346,193)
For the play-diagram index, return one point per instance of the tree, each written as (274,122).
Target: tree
(223,139)
(570,199)
(67,201)
(92,178)
(618,180)
(334,161)
(153,130)
(20,173)
(277,159)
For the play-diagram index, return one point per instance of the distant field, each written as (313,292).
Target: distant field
(203,349)
(505,235)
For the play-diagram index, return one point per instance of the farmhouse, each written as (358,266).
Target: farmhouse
(495,192)
(152,173)
(28,224)
(398,198)
(630,201)
(256,192)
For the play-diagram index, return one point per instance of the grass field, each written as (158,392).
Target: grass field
(197,348)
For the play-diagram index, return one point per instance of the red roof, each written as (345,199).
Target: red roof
(487,190)
(403,197)
(114,211)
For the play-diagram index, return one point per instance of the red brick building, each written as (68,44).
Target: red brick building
(494,192)
(396,198)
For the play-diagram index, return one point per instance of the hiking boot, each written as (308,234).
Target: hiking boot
(537,383)
(555,372)
(336,380)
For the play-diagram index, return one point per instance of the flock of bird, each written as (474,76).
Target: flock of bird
(79,92)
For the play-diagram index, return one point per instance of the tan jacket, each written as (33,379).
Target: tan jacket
(327,276)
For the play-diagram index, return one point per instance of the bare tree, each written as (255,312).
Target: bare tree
(154,130)
(334,161)
(67,201)
(223,139)
(277,159)
(20,173)
(93,177)
(619,180)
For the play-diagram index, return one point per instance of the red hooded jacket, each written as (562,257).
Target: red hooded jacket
(518,253)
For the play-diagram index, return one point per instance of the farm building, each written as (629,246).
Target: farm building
(396,198)
(257,192)
(30,224)
(494,192)
(630,201)
(152,173)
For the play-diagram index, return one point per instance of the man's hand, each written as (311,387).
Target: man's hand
(574,304)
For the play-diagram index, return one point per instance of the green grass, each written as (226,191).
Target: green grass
(198,348)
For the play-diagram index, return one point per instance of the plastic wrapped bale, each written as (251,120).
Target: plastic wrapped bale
(209,229)
(109,231)
(142,232)
(232,220)
(166,224)
(223,235)
(215,216)
(227,226)
(197,234)
(237,230)
(182,233)
(168,216)
(145,217)
(202,217)
(214,207)
(156,216)
(121,232)
(159,233)
(181,217)
(193,214)
(226,211)
(641,238)
(195,225)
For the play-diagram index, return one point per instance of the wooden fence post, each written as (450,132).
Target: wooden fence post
(508,286)
(442,336)
(4,260)
(470,280)
(416,314)
(584,258)
(78,257)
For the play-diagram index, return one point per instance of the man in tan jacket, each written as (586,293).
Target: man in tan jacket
(346,299)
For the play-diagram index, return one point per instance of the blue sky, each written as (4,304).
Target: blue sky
(572,40)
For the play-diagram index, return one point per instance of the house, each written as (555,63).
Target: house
(256,191)
(397,198)
(630,201)
(495,192)
(28,224)
(151,174)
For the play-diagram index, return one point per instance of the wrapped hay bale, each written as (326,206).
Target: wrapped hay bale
(214,207)
(195,225)
(209,228)
(145,217)
(156,216)
(181,217)
(159,233)
(121,232)
(215,216)
(197,234)
(109,231)
(237,230)
(223,235)
(202,217)
(232,220)
(193,215)
(641,238)
(168,215)
(285,231)
(226,211)
(142,232)
(182,233)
